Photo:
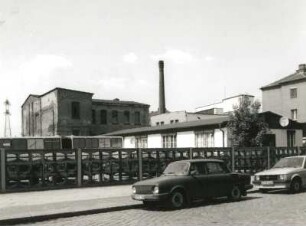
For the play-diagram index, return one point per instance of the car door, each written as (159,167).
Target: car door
(218,179)
(303,173)
(199,184)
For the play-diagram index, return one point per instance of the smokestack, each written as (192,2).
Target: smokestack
(162,102)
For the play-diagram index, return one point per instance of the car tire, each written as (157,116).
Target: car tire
(177,200)
(235,193)
(295,186)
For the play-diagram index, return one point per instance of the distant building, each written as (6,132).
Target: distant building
(178,116)
(71,112)
(223,107)
(207,132)
(287,96)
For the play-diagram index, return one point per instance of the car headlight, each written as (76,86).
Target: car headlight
(283,177)
(134,190)
(155,190)
(256,177)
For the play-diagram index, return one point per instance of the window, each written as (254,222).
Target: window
(157,123)
(126,115)
(93,116)
(176,121)
(115,118)
(142,142)
(103,117)
(169,141)
(204,139)
(75,110)
(293,93)
(290,138)
(294,114)
(162,123)
(137,118)
(171,121)
(215,168)
(198,168)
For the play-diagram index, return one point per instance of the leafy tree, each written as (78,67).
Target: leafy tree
(245,124)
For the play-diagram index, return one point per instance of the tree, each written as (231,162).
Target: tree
(245,125)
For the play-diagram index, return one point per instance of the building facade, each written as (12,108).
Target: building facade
(287,96)
(223,107)
(177,117)
(209,132)
(71,112)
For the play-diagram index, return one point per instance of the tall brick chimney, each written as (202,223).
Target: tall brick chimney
(162,102)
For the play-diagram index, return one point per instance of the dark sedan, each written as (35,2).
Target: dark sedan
(185,181)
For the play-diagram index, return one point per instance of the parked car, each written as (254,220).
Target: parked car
(288,173)
(185,181)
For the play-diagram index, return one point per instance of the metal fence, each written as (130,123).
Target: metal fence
(52,169)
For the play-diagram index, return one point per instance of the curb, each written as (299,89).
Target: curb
(39,218)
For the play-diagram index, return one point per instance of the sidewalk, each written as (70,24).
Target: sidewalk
(27,207)
(42,205)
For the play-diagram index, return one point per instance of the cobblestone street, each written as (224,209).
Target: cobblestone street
(278,208)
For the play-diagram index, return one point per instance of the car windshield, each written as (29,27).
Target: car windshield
(177,168)
(289,163)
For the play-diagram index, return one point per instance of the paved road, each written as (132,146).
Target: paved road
(278,208)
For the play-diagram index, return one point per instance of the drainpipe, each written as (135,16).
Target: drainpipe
(223,136)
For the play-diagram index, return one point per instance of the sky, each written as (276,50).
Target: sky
(211,48)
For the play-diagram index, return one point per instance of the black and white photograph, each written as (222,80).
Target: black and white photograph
(152,112)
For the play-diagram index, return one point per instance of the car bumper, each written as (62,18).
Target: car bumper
(248,186)
(150,197)
(274,185)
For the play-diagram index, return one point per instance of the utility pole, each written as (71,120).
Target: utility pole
(7,124)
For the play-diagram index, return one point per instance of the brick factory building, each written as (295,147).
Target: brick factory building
(71,112)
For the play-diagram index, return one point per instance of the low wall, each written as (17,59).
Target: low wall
(22,170)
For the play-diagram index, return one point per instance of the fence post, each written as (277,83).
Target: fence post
(191,153)
(269,160)
(79,166)
(3,169)
(140,163)
(233,159)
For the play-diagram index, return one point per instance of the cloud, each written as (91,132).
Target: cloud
(131,58)
(175,55)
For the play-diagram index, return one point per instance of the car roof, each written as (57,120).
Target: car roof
(296,156)
(200,160)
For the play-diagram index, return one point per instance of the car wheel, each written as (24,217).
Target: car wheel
(295,186)
(235,193)
(177,200)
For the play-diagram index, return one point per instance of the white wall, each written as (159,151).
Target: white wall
(185,139)
(129,142)
(226,104)
(181,116)
(218,138)
(155,141)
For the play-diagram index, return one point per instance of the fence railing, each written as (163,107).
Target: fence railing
(22,170)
